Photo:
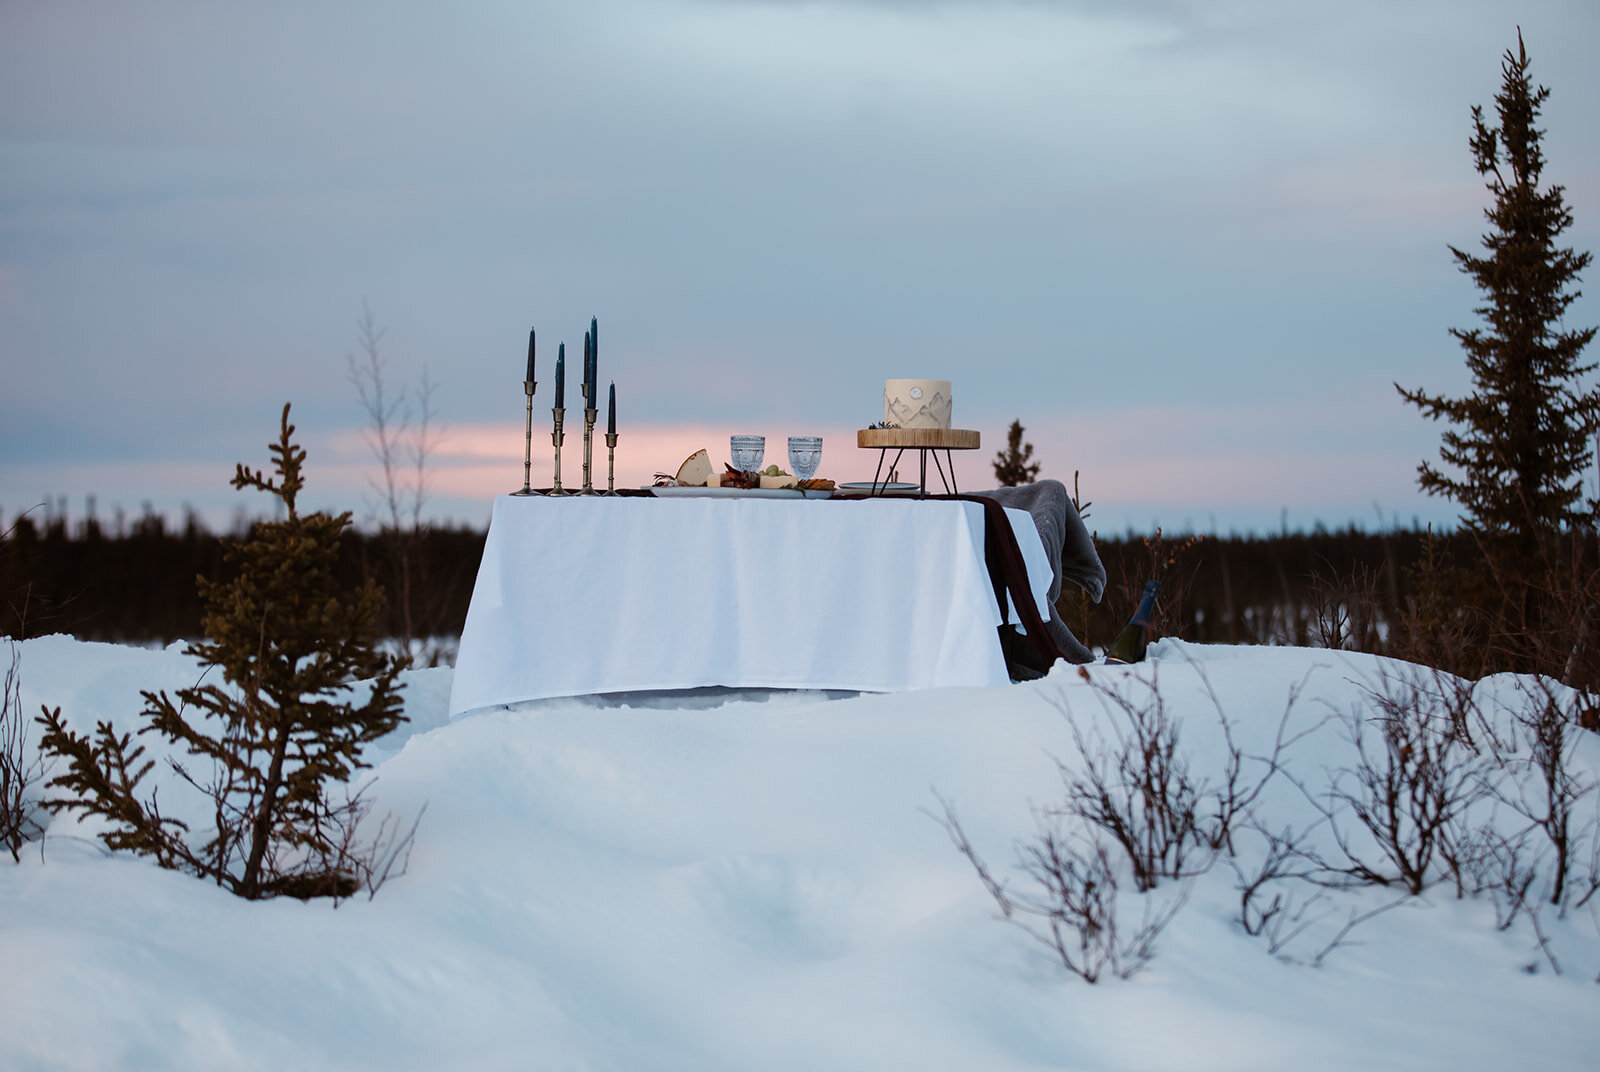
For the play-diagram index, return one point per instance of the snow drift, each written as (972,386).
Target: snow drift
(762,883)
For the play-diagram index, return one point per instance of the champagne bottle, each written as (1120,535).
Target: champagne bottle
(1130,645)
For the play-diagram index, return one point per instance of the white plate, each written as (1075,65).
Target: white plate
(671,492)
(882,489)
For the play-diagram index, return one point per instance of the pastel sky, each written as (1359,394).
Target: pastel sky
(1190,244)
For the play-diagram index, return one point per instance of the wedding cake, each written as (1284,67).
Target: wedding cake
(916,403)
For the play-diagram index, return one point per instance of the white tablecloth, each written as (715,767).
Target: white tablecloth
(591,595)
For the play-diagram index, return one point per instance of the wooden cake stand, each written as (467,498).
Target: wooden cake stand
(922,440)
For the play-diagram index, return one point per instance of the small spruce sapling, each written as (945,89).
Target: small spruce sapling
(1014,465)
(290,640)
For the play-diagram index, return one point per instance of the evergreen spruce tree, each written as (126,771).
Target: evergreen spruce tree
(1011,466)
(1520,441)
(282,732)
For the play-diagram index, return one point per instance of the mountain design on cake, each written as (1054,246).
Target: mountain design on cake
(917,403)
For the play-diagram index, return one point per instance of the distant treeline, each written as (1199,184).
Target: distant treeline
(136,583)
(1321,588)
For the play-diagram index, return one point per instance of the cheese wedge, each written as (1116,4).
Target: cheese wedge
(695,471)
(784,481)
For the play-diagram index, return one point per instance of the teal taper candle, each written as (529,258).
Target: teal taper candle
(594,363)
(561,376)
(590,393)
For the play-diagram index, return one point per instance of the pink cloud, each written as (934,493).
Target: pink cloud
(481,459)
(1170,465)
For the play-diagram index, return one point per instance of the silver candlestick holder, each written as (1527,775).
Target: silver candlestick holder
(589,414)
(557,437)
(527,451)
(611,464)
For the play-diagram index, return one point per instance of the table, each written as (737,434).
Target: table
(577,596)
(921,440)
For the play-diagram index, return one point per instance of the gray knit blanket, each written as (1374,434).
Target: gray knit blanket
(1069,547)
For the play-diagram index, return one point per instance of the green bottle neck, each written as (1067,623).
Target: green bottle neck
(1147,605)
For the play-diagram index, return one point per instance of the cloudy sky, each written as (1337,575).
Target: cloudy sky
(1190,244)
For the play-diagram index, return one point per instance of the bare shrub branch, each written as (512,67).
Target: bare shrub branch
(1137,787)
(1346,611)
(1506,868)
(1071,904)
(1355,920)
(1546,787)
(1233,801)
(1268,905)
(386,854)
(1532,911)
(1591,877)
(402,436)
(1414,778)
(21,767)
(388,418)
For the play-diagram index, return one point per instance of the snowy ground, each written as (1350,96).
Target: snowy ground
(760,885)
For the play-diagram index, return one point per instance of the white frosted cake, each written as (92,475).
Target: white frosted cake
(916,403)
